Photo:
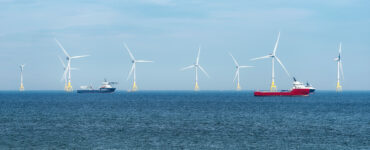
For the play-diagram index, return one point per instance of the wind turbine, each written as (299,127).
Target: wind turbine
(340,68)
(69,59)
(65,71)
(196,66)
(133,68)
(273,56)
(237,73)
(22,87)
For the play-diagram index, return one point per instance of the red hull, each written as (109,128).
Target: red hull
(294,92)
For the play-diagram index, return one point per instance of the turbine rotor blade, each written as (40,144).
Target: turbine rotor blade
(74,57)
(129,52)
(132,69)
(64,51)
(236,74)
(188,67)
(197,62)
(201,68)
(64,76)
(246,66)
(236,63)
(340,59)
(143,61)
(341,69)
(61,61)
(286,71)
(263,57)
(276,44)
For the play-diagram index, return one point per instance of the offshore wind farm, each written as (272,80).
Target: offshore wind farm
(66,76)
(273,88)
(166,74)
(298,88)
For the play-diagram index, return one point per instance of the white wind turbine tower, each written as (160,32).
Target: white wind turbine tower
(69,59)
(237,73)
(196,66)
(133,68)
(339,67)
(273,56)
(22,87)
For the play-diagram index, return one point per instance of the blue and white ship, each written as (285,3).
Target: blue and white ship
(105,88)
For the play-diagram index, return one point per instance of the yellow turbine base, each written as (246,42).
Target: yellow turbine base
(21,88)
(273,87)
(134,87)
(196,88)
(238,88)
(339,87)
(69,87)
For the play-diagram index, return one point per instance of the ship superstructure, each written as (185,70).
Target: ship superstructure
(300,85)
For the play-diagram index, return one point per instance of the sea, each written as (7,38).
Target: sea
(184,120)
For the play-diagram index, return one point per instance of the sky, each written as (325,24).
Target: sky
(169,33)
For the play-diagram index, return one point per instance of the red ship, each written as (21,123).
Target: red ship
(298,90)
(293,92)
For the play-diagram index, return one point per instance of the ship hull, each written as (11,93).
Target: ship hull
(101,90)
(294,92)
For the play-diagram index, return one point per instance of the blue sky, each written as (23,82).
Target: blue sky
(169,33)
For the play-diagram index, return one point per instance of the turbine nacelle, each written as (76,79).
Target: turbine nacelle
(22,66)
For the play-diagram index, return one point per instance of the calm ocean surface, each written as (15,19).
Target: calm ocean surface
(183,120)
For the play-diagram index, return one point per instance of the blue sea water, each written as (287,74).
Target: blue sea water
(183,120)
